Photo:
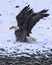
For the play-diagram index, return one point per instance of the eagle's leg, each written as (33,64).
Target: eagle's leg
(21,39)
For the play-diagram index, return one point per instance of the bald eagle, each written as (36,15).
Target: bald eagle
(26,20)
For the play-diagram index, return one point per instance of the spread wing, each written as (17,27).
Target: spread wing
(40,15)
(32,19)
(21,17)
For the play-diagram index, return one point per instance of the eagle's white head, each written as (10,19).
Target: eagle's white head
(14,27)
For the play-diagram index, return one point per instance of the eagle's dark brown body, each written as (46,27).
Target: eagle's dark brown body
(26,19)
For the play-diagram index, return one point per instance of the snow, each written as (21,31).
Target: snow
(42,32)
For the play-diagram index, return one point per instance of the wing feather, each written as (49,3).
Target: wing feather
(32,19)
(21,17)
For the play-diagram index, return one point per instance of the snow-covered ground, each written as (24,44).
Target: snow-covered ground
(42,31)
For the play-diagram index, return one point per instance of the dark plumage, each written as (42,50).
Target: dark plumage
(26,20)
